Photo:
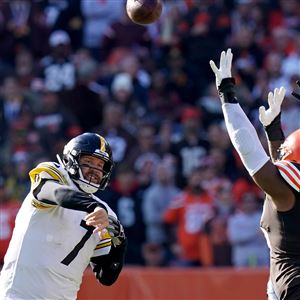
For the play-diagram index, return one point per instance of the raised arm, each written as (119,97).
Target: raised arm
(245,139)
(279,146)
(49,190)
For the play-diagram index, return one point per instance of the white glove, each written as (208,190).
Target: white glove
(274,100)
(225,66)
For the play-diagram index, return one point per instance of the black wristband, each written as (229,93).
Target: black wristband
(274,131)
(226,90)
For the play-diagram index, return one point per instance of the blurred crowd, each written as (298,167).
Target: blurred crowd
(178,187)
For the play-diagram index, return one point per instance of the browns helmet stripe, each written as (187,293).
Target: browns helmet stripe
(290,173)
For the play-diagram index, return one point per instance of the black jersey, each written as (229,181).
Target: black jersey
(282,231)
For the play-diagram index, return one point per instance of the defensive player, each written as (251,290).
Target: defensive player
(62,227)
(280,181)
(279,147)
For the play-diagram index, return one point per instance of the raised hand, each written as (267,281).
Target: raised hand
(274,100)
(224,71)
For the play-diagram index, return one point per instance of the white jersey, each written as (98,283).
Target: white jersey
(50,247)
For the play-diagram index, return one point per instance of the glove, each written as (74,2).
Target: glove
(225,67)
(297,96)
(116,231)
(274,100)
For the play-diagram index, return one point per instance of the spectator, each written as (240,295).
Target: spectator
(156,200)
(23,24)
(154,255)
(122,90)
(115,131)
(85,99)
(53,121)
(192,148)
(189,212)
(216,249)
(8,211)
(291,63)
(144,157)
(140,77)
(14,100)
(25,69)
(248,243)
(210,106)
(273,67)
(124,197)
(98,15)
(164,101)
(57,69)
(116,36)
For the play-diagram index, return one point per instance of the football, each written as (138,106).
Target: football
(144,12)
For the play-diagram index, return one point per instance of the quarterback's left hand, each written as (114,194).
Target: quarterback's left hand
(116,231)
(274,100)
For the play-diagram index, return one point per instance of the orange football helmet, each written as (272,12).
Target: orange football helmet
(290,148)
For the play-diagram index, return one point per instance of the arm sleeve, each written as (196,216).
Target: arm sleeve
(241,132)
(108,267)
(51,192)
(244,138)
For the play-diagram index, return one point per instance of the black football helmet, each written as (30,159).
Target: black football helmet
(87,144)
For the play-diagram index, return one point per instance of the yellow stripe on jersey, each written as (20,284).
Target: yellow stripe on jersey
(55,174)
(100,246)
(35,177)
(40,205)
(55,170)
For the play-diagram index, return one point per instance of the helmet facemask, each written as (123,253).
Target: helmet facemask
(86,184)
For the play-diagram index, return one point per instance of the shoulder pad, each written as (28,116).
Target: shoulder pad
(48,170)
(290,172)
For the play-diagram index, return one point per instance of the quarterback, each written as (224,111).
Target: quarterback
(62,227)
